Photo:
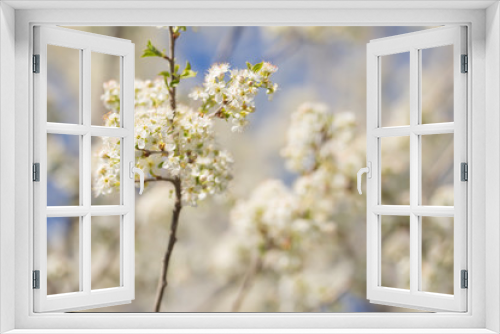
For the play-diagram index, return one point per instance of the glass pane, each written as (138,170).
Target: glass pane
(63,255)
(106,171)
(437,84)
(395,241)
(437,169)
(395,89)
(63,170)
(63,85)
(105,252)
(437,254)
(105,89)
(395,170)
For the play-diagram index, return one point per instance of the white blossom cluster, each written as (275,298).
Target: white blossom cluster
(315,136)
(107,174)
(230,94)
(181,143)
(320,147)
(270,220)
(282,222)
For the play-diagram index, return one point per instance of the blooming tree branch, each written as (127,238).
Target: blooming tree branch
(175,142)
(279,225)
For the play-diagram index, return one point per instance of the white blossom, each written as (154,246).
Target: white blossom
(181,143)
(280,224)
(230,93)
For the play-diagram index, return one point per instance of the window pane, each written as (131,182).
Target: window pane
(106,170)
(395,89)
(63,255)
(437,84)
(63,85)
(395,170)
(437,169)
(395,242)
(105,92)
(63,169)
(105,252)
(437,254)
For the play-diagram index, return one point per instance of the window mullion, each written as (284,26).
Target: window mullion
(85,176)
(81,160)
(414,169)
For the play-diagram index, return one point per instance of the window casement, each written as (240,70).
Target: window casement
(417,208)
(481,235)
(83,131)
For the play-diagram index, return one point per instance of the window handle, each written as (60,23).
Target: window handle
(368,171)
(139,171)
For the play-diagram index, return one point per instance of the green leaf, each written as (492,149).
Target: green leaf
(152,51)
(174,82)
(249,66)
(257,67)
(165,74)
(176,68)
(188,73)
(177,29)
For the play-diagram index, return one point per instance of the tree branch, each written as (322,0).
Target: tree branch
(176,181)
(149,152)
(157,178)
(217,113)
(162,283)
(171,61)
(253,271)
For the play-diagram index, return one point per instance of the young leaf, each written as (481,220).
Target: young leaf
(249,66)
(152,51)
(174,82)
(165,74)
(257,67)
(177,29)
(188,73)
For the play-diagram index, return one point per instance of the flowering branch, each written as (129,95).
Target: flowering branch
(177,143)
(176,181)
(171,59)
(277,226)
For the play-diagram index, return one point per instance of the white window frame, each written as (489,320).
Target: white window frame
(413,44)
(86,44)
(483,21)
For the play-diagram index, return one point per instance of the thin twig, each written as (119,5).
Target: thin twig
(217,112)
(248,281)
(162,283)
(176,181)
(158,178)
(171,61)
(149,152)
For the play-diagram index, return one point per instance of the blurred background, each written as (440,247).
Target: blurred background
(316,65)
